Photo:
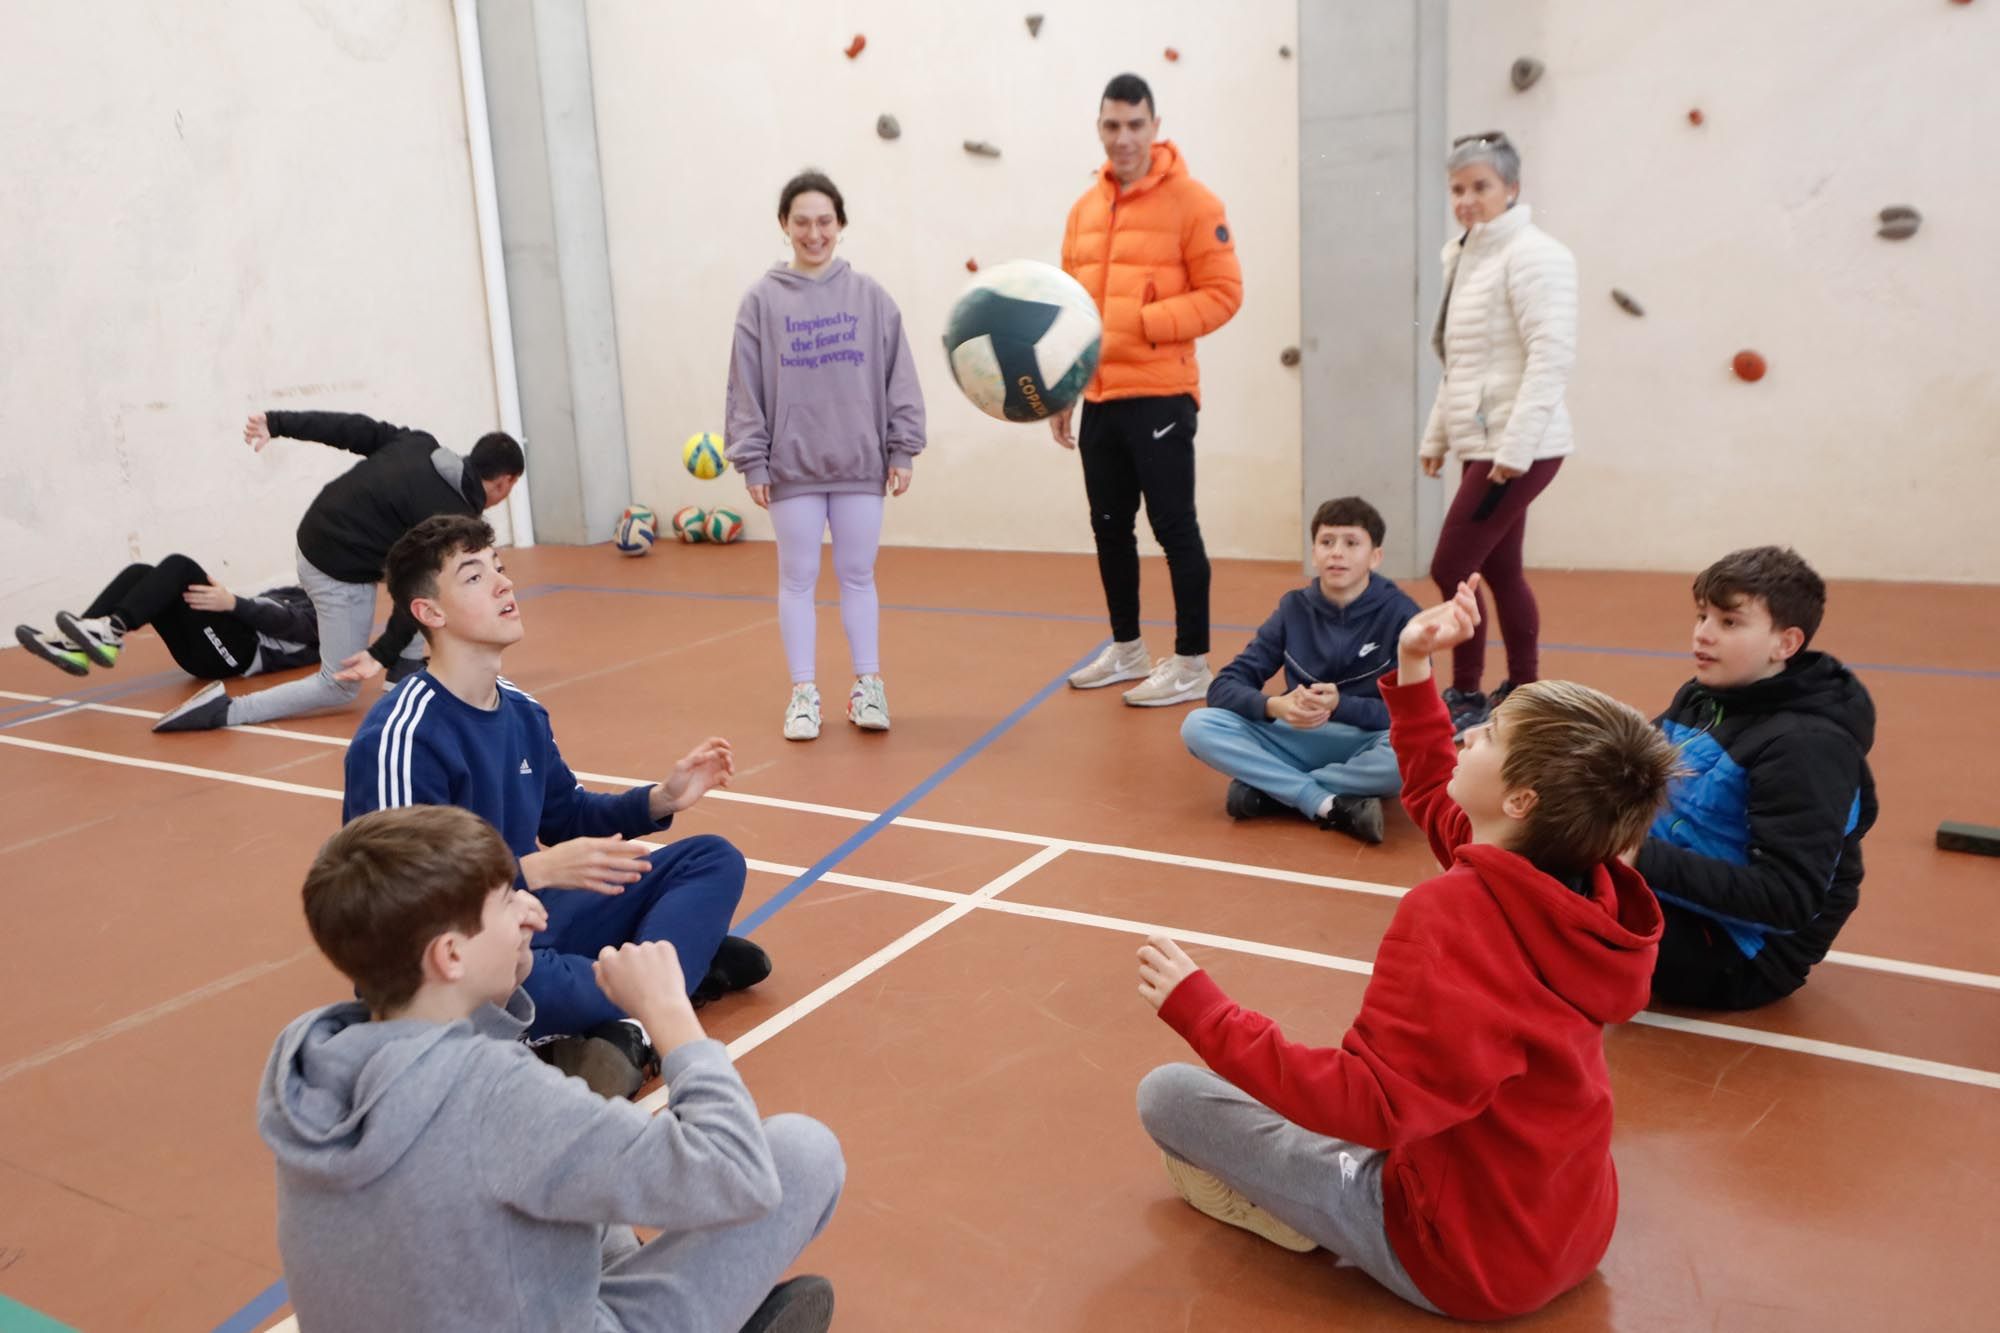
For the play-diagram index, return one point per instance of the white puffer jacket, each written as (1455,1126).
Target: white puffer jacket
(1507,337)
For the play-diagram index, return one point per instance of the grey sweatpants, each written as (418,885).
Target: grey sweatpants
(346,614)
(715,1280)
(1329,1189)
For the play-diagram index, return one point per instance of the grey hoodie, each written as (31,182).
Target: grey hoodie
(823,395)
(438,1176)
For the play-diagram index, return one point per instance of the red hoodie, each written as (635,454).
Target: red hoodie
(1477,1059)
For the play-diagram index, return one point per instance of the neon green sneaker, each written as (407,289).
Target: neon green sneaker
(53,649)
(99,639)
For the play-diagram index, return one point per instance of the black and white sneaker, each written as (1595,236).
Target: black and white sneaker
(738,965)
(205,710)
(101,638)
(1357,816)
(802,1305)
(53,649)
(1243,801)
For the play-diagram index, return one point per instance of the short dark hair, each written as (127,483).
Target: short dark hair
(1349,511)
(414,562)
(496,454)
(1776,575)
(807,182)
(1129,88)
(392,881)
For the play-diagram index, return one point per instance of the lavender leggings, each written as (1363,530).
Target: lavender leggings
(856,520)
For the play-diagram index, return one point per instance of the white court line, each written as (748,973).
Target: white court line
(872,964)
(1869,962)
(972,902)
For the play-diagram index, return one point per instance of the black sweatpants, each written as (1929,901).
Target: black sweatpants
(208,645)
(1143,448)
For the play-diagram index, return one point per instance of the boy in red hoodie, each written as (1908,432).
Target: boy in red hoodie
(1456,1145)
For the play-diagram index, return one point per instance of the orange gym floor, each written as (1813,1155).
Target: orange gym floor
(953,909)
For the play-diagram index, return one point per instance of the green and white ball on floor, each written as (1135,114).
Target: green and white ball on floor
(691,523)
(1023,340)
(724,526)
(636,531)
(703,455)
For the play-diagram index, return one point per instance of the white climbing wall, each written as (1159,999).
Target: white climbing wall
(1873,444)
(704,111)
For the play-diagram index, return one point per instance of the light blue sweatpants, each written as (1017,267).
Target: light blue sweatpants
(1299,768)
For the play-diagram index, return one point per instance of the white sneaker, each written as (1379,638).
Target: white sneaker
(802,713)
(1176,680)
(1118,661)
(868,704)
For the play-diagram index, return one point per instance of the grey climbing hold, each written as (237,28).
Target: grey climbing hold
(1524,73)
(1626,303)
(1285,51)
(888,127)
(1034,25)
(981,148)
(1289,357)
(1899,222)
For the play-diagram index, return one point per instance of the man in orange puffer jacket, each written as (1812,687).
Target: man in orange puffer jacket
(1152,247)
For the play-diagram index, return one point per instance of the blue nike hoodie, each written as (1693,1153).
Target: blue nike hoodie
(1316,642)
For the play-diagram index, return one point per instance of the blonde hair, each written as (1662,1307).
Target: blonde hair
(1599,770)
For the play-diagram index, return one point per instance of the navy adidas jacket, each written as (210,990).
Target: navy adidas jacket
(1316,642)
(1764,836)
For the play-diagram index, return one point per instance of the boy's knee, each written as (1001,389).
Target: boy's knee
(344,691)
(807,1155)
(1200,728)
(1164,1094)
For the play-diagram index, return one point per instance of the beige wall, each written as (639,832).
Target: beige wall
(219,207)
(1874,443)
(704,111)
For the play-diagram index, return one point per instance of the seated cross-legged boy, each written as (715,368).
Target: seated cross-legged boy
(460,734)
(1322,747)
(432,1174)
(1456,1145)
(1757,857)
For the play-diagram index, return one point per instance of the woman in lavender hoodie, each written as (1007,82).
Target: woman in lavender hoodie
(825,418)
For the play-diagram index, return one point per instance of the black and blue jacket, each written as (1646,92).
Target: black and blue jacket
(1316,642)
(1764,835)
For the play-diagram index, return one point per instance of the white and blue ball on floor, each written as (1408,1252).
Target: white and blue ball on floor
(636,531)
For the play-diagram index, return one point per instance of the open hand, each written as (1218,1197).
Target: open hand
(1163,965)
(708,765)
(601,865)
(257,432)
(362,666)
(209,597)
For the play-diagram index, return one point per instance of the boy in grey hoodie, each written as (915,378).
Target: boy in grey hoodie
(433,1174)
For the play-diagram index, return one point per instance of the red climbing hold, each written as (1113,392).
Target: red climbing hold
(1695,117)
(855,47)
(972,266)
(1749,366)
(1172,54)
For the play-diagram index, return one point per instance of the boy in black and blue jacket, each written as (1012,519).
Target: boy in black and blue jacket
(1322,746)
(1757,858)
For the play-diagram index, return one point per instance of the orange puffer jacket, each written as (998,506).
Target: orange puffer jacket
(1159,261)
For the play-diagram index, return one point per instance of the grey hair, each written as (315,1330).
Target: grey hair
(1492,149)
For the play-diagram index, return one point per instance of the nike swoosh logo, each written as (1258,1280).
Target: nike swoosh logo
(1163,430)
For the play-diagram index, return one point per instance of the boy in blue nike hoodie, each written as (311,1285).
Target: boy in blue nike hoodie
(1321,747)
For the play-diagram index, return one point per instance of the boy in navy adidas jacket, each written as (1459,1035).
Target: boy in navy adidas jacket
(460,734)
(1322,746)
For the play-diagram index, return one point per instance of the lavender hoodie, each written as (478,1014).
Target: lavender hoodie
(823,396)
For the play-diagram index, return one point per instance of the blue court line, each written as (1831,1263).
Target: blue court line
(261,1307)
(908,799)
(18,714)
(18,1318)
(1675,655)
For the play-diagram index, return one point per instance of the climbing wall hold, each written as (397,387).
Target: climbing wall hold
(1285,52)
(1626,303)
(981,148)
(1289,357)
(1524,73)
(1172,54)
(1034,25)
(888,126)
(1749,366)
(855,47)
(1899,222)
(1695,117)
(972,266)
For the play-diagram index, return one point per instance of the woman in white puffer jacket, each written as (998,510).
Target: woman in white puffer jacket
(1506,333)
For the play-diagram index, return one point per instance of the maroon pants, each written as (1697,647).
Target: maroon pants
(1491,546)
